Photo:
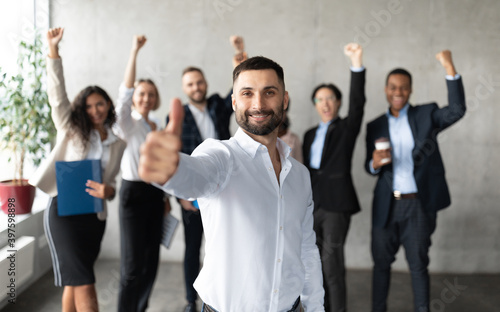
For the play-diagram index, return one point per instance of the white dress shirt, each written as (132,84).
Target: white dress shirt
(100,149)
(133,129)
(204,123)
(260,250)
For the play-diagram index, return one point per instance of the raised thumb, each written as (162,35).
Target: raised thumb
(175,117)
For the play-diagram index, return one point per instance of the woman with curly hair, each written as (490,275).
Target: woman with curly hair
(83,132)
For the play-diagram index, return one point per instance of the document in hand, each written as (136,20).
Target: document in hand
(170,223)
(71,176)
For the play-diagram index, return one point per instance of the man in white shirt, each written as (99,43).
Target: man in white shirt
(256,201)
(204,118)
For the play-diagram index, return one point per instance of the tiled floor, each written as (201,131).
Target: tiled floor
(449,292)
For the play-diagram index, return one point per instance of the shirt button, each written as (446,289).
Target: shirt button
(275,291)
(281,228)
(270,168)
(279,260)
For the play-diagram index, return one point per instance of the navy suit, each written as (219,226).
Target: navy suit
(334,195)
(220,111)
(413,225)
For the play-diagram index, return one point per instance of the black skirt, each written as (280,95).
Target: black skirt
(75,242)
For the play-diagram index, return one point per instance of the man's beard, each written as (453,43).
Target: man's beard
(261,129)
(202,100)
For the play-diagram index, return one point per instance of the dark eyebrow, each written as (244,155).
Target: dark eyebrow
(265,88)
(271,87)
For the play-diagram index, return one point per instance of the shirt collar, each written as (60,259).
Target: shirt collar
(402,113)
(250,146)
(326,124)
(112,138)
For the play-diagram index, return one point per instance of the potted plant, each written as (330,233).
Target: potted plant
(26,126)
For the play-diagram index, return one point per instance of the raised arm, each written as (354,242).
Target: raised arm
(123,108)
(357,97)
(444,57)
(54,36)
(239,50)
(355,52)
(129,77)
(56,87)
(448,115)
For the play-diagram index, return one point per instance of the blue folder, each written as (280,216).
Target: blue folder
(71,176)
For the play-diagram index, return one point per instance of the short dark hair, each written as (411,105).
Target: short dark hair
(330,86)
(259,63)
(81,124)
(192,69)
(398,71)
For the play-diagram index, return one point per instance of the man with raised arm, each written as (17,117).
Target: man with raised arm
(328,150)
(411,185)
(255,201)
(204,118)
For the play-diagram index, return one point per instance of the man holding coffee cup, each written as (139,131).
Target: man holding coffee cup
(402,149)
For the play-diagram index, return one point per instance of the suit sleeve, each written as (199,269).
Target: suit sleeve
(446,116)
(228,102)
(370,147)
(357,101)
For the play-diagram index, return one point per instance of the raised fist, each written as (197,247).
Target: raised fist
(444,57)
(54,36)
(237,43)
(138,42)
(355,52)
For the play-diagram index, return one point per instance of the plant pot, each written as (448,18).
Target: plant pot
(21,196)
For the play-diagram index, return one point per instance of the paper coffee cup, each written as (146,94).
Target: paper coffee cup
(383,145)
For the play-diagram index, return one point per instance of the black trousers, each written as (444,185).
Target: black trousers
(409,225)
(193,234)
(141,216)
(331,231)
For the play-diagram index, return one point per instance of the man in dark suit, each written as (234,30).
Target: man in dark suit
(203,118)
(411,185)
(327,152)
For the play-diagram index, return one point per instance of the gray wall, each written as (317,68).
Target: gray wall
(306,37)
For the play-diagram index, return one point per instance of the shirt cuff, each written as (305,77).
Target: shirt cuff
(357,69)
(373,171)
(169,186)
(450,77)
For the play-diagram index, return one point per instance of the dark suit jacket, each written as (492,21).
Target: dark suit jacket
(426,121)
(332,184)
(219,109)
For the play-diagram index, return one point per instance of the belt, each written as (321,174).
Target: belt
(297,307)
(397,195)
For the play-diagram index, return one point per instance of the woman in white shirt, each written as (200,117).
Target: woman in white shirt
(142,205)
(83,132)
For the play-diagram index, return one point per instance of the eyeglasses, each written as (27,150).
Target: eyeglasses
(328,98)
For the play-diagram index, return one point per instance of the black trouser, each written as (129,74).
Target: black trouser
(141,216)
(193,234)
(409,225)
(331,231)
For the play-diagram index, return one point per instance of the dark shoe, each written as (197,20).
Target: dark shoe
(191,307)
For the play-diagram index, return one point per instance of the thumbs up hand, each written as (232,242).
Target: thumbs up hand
(160,152)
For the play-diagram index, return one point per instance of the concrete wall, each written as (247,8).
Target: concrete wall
(306,37)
